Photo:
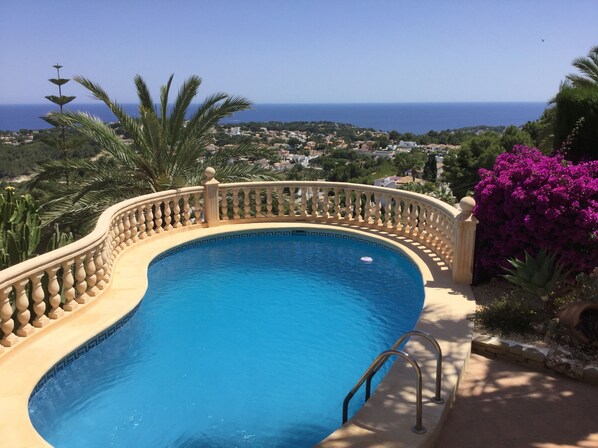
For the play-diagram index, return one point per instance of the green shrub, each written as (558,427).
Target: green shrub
(573,103)
(507,314)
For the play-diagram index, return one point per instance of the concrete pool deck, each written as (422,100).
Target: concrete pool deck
(385,420)
(501,404)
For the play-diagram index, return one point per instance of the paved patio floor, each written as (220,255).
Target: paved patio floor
(504,405)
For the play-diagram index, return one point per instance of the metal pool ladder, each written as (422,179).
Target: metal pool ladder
(381,360)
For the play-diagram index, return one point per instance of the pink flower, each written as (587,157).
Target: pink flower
(530,201)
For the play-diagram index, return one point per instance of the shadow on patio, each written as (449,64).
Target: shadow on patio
(502,404)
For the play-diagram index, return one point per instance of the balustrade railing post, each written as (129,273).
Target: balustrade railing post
(68,281)
(54,292)
(465,226)
(211,209)
(7,324)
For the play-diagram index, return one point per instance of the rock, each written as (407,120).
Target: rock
(564,362)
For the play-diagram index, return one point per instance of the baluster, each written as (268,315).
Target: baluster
(236,214)
(377,211)
(80,277)
(90,270)
(259,200)
(38,296)
(158,215)
(314,201)
(395,210)
(292,201)
(358,217)
(386,215)
(141,234)
(349,205)
(114,238)
(67,286)
(389,211)
(303,211)
(187,210)
(110,257)
(54,294)
(199,208)
(380,209)
(23,313)
(99,265)
(224,205)
(400,215)
(177,212)
(430,225)
(127,228)
(121,233)
(149,219)
(244,211)
(269,202)
(325,203)
(7,324)
(134,224)
(421,221)
(167,215)
(337,203)
(371,209)
(106,263)
(384,210)
(415,219)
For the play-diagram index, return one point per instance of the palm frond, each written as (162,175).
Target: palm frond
(164,92)
(145,99)
(187,92)
(588,66)
(127,122)
(97,131)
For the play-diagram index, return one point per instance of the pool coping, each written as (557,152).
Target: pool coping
(376,424)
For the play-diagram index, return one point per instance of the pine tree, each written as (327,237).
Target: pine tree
(60,100)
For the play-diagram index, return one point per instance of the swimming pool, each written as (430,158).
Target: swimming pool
(262,334)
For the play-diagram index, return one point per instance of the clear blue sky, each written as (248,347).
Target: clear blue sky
(283,51)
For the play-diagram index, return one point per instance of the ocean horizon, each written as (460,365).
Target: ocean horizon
(417,118)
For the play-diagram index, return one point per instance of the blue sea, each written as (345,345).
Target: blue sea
(418,118)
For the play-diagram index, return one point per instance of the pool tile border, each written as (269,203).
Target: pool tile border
(202,241)
(81,350)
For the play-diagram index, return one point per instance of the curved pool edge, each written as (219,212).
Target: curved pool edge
(386,418)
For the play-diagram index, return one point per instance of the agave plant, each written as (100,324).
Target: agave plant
(538,276)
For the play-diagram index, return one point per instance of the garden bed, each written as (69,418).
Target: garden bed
(543,342)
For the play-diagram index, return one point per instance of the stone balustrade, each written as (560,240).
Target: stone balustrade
(52,285)
(49,286)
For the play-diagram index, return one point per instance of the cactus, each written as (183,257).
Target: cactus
(20,228)
(59,239)
(538,276)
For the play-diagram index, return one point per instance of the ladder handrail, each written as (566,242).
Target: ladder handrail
(378,362)
(437,398)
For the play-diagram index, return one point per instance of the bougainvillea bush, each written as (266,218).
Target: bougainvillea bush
(530,201)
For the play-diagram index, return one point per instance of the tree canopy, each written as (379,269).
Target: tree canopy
(162,150)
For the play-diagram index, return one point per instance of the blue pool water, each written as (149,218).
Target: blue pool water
(249,340)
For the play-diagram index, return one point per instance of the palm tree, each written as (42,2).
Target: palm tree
(588,66)
(162,151)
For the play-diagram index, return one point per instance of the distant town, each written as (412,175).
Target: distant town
(298,150)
